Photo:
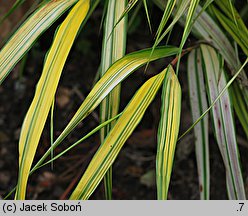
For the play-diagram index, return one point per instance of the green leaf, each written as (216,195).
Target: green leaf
(130,5)
(181,8)
(147,15)
(166,15)
(108,151)
(114,47)
(187,27)
(167,12)
(77,142)
(38,111)
(223,122)
(27,34)
(198,103)
(168,131)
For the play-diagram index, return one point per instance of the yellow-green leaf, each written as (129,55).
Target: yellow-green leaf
(114,47)
(168,131)
(37,114)
(115,140)
(28,33)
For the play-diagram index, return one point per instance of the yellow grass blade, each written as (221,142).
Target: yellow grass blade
(114,47)
(115,140)
(28,32)
(37,114)
(168,131)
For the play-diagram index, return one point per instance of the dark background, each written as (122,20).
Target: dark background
(133,172)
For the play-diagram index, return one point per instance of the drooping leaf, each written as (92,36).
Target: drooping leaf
(115,140)
(37,114)
(114,47)
(27,34)
(168,131)
(198,103)
(223,122)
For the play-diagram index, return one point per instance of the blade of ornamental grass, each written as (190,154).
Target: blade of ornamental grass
(115,75)
(223,122)
(198,104)
(212,33)
(52,129)
(167,12)
(170,5)
(109,150)
(181,8)
(24,38)
(38,111)
(187,27)
(147,15)
(167,131)
(130,5)
(114,47)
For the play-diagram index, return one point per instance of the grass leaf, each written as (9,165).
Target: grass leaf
(223,122)
(38,111)
(147,15)
(115,140)
(28,32)
(114,47)
(198,103)
(187,27)
(168,131)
